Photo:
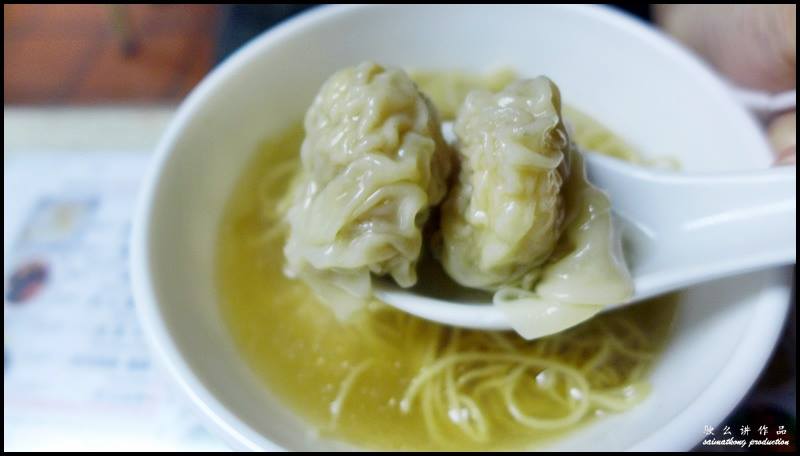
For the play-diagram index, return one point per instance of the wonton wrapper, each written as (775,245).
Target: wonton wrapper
(373,164)
(523,220)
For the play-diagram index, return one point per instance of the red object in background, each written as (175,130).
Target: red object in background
(76,54)
(26,282)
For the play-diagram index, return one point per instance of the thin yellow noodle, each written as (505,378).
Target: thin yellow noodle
(451,393)
(631,353)
(479,428)
(575,415)
(489,370)
(598,359)
(432,402)
(632,329)
(490,384)
(467,393)
(436,367)
(344,390)
(552,394)
(617,400)
(501,341)
(429,417)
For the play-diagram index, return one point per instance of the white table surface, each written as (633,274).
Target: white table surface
(119,128)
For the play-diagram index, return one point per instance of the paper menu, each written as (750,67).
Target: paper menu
(78,374)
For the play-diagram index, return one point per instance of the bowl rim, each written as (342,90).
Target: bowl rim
(680,429)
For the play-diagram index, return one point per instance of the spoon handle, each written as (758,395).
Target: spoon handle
(698,227)
(751,214)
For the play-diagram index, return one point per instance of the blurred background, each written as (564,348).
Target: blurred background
(88,90)
(88,54)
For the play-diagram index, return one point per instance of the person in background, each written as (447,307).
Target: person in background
(752,45)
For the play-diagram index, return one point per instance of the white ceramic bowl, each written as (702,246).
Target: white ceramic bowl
(635,80)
